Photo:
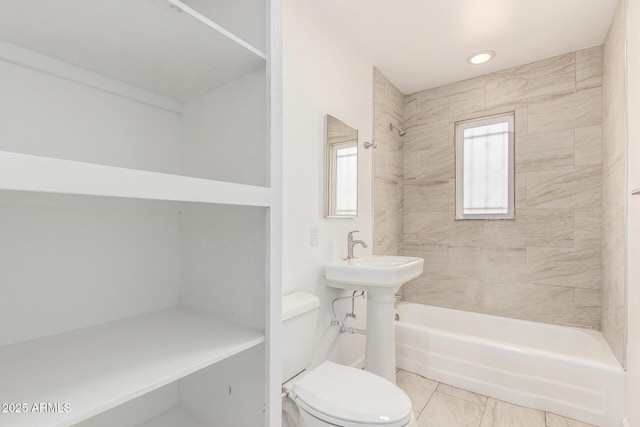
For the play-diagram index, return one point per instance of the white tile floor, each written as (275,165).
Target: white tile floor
(440,405)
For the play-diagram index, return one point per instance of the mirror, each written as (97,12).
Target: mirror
(341,169)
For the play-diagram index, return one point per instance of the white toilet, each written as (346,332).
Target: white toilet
(331,394)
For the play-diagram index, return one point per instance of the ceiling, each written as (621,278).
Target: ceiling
(421,44)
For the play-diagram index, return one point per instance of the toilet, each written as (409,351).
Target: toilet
(331,394)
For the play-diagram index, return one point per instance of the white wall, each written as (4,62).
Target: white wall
(69,262)
(222,265)
(233,114)
(633,239)
(51,116)
(322,75)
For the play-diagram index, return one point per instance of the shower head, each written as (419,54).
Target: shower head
(401,132)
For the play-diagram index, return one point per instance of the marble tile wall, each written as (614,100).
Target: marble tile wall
(546,264)
(613,186)
(388,168)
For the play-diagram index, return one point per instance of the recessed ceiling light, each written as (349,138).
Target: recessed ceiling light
(481,57)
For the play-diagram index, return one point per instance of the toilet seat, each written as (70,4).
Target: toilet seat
(350,397)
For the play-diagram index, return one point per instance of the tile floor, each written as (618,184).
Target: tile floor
(440,405)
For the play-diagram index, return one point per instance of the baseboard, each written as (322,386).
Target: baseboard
(625,423)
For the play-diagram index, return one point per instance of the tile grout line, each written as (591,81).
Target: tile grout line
(428,400)
(484,410)
(462,398)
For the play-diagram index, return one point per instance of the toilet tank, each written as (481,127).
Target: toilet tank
(299,323)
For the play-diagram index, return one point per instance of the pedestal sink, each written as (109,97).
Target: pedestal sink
(380,276)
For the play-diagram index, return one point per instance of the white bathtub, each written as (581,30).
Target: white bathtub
(568,371)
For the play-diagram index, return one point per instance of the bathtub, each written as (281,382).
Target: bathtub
(564,370)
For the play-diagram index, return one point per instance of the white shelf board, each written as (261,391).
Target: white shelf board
(168,49)
(174,417)
(95,369)
(24,172)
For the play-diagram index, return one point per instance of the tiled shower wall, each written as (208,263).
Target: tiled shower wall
(546,264)
(387,165)
(613,194)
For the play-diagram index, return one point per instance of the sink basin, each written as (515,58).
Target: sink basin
(378,273)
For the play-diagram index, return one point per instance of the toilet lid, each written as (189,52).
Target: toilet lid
(354,395)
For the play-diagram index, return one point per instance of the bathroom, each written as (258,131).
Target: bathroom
(166,214)
(551,265)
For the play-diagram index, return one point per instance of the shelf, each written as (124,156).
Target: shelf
(23,172)
(174,417)
(164,47)
(95,369)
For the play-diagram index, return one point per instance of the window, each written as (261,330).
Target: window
(485,168)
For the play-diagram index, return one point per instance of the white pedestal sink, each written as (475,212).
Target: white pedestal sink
(380,276)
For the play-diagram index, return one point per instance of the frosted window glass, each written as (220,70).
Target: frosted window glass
(486,169)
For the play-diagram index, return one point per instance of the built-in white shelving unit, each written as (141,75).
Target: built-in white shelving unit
(151,85)
(140,212)
(102,366)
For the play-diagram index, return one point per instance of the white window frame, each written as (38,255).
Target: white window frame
(459,143)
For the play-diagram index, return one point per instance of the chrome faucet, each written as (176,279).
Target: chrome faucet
(351,243)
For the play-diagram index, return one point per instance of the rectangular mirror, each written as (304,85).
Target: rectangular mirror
(341,169)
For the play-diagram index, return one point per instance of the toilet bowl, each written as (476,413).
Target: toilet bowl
(336,395)
(332,394)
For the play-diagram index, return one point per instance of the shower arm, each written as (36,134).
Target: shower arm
(401,132)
